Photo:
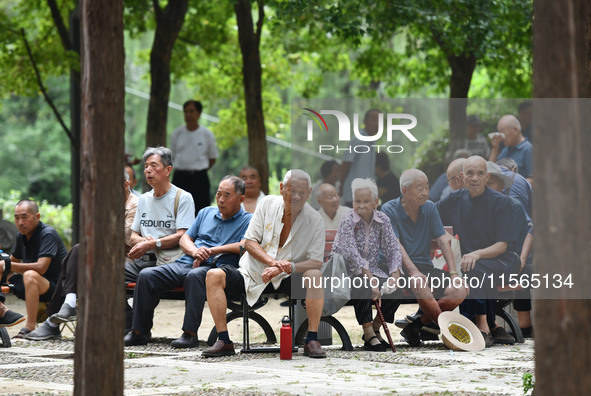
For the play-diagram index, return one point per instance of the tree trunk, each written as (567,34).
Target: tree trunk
(249,39)
(462,68)
(98,363)
(562,213)
(169,22)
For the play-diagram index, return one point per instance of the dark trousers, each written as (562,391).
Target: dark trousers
(155,281)
(67,283)
(196,183)
(482,300)
(362,303)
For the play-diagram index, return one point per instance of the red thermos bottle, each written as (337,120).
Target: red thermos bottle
(285,339)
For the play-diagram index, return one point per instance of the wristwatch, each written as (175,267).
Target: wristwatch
(158,243)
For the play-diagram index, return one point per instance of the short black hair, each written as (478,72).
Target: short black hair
(326,168)
(239,186)
(383,161)
(195,103)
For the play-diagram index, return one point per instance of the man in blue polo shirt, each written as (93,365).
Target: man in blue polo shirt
(215,230)
(483,219)
(416,222)
(516,147)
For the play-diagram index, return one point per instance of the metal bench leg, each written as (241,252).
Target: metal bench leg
(5,338)
(334,323)
(510,320)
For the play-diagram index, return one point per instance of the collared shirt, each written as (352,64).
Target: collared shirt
(333,224)
(192,150)
(521,154)
(360,243)
(305,242)
(209,230)
(415,237)
(481,221)
(45,242)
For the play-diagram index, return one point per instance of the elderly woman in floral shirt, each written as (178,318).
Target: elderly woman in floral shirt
(371,250)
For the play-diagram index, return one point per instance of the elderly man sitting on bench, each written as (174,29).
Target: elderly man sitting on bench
(416,222)
(284,245)
(483,219)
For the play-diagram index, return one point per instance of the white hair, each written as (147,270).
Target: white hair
(409,176)
(365,184)
(297,174)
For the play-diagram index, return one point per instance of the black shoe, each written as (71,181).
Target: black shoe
(382,341)
(11,318)
(527,332)
(488,341)
(284,303)
(415,316)
(65,314)
(432,328)
(133,339)
(374,348)
(500,336)
(426,336)
(44,332)
(185,341)
(402,323)
(411,333)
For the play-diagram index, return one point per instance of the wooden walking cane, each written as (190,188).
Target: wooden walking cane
(385,325)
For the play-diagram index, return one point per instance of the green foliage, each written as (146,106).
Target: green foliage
(36,151)
(33,18)
(430,155)
(528,382)
(57,216)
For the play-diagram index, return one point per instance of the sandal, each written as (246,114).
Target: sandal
(385,343)
(375,348)
(22,333)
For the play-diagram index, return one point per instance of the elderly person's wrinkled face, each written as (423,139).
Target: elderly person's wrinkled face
(475,175)
(418,192)
(328,199)
(295,193)
(252,181)
(364,204)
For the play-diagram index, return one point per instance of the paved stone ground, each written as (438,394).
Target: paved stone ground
(42,368)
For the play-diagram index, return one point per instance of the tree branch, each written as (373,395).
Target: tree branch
(45,94)
(261,5)
(59,24)
(157,9)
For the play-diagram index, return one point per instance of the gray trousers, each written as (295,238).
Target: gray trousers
(154,281)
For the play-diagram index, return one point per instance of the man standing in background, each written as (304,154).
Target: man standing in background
(194,150)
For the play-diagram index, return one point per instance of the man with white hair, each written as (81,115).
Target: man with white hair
(416,222)
(284,247)
(330,208)
(516,147)
(483,219)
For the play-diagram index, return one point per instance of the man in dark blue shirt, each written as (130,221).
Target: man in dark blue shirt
(215,230)
(482,219)
(36,261)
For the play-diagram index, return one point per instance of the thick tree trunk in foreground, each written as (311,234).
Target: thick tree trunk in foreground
(98,364)
(562,213)
(249,39)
